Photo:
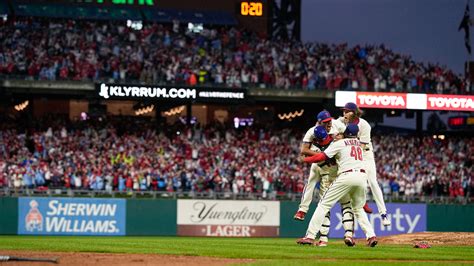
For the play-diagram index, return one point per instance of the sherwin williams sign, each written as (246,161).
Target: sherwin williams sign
(405,218)
(71,216)
(230,218)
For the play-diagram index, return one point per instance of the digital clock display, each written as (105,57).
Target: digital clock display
(254,9)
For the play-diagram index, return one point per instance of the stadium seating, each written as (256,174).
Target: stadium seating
(98,50)
(128,155)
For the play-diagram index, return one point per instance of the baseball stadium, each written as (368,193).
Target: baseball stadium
(211,132)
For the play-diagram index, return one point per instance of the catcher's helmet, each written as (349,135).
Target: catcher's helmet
(320,133)
(324,116)
(351,130)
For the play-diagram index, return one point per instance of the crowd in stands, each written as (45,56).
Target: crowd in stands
(131,155)
(409,166)
(53,49)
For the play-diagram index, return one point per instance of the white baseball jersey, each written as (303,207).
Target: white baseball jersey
(348,154)
(326,168)
(309,138)
(338,127)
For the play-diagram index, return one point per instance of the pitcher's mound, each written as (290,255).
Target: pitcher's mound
(433,238)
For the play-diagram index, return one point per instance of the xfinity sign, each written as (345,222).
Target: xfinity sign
(405,219)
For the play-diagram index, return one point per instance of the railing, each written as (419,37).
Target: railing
(61,192)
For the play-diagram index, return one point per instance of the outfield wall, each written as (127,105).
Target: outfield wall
(118,217)
(8,216)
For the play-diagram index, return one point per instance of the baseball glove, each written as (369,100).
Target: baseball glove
(422,244)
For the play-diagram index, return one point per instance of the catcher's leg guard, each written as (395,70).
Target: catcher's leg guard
(324,231)
(347,218)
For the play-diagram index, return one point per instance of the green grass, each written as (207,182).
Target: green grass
(265,251)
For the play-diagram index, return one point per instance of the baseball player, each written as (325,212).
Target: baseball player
(352,115)
(351,179)
(317,139)
(310,147)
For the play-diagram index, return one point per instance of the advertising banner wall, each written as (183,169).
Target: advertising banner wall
(228,218)
(405,218)
(204,94)
(412,101)
(71,216)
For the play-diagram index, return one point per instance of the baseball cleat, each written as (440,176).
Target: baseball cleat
(367,209)
(321,244)
(385,220)
(372,242)
(349,241)
(299,216)
(305,241)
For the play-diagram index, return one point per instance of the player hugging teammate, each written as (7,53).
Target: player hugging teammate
(316,141)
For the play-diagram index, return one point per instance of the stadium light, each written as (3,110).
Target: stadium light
(174,111)
(145,110)
(20,107)
(136,25)
(195,27)
(291,115)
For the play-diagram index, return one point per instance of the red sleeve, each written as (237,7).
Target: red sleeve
(319,157)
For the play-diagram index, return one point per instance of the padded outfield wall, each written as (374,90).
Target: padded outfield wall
(216,218)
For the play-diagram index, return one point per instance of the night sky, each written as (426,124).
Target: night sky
(425,29)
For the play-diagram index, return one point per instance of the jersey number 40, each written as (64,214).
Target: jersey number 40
(356,152)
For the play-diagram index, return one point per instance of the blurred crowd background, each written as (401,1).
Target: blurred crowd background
(123,154)
(58,49)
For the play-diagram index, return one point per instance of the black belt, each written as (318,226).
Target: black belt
(353,170)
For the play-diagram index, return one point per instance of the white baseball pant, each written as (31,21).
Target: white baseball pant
(352,183)
(313,179)
(373,183)
(346,210)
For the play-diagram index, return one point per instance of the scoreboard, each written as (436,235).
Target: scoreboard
(251,8)
(254,15)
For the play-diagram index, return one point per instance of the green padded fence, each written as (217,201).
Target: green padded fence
(8,216)
(450,218)
(158,217)
(289,227)
(151,217)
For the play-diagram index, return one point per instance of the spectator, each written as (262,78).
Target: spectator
(104,50)
(239,162)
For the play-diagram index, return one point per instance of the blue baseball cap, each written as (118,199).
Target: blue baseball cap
(350,107)
(320,133)
(324,116)
(351,130)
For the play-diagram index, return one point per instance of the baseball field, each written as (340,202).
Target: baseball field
(446,249)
